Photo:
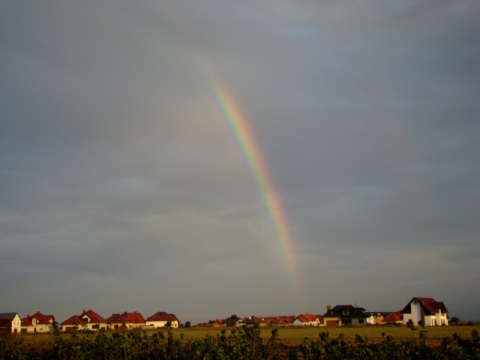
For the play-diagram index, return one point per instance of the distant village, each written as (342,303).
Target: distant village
(418,311)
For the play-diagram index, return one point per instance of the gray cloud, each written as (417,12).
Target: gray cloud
(122,187)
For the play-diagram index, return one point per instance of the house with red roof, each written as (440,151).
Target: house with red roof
(162,319)
(126,320)
(426,311)
(394,318)
(87,320)
(38,323)
(307,320)
(73,323)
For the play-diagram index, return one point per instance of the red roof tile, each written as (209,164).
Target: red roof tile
(134,317)
(393,317)
(429,304)
(73,320)
(94,317)
(307,317)
(162,316)
(41,319)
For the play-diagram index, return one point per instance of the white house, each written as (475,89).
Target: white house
(38,322)
(10,323)
(307,320)
(162,319)
(87,320)
(376,317)
(426,311)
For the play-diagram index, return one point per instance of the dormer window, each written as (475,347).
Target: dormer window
(345,312)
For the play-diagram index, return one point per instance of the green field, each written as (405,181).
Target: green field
(370,332)
(372,342)
(298,334)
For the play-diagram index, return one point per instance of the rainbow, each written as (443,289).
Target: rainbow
(231,112)
(240,127)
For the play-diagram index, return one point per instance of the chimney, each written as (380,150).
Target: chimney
(329,308)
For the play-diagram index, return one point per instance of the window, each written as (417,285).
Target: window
(360,321)
(345,312)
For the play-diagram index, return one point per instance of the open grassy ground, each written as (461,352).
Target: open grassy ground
(301,343)
(370,332)
(293,335)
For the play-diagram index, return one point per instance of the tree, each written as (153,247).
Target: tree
(188,324)
(454,320)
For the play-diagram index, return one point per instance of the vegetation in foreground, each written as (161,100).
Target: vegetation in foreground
(244,343)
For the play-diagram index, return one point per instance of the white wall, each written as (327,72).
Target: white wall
(415,313)
(16,324)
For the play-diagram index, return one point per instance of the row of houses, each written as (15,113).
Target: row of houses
(87,320)
(418,311)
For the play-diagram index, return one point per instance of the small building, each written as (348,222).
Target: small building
(162,319)
(10,323)
(345,315)
(126,320)
(73,323)
(426,311)
(283,320)
(376,317)
(38,322)
(87,320)
(306,320)
(395,318)
(254,320)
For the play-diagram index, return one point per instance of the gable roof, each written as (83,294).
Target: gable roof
(42,319)
(117,318)
(93,316)
(429,305)
(307,318)
(162,316)
(73,320)
(8,316)
(346,312)
(135,318)
(393,317)
(78,319)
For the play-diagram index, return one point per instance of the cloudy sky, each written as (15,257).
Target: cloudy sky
(122,186)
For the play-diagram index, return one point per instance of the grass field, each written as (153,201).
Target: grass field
(297,335)
(370,332)
(400,342)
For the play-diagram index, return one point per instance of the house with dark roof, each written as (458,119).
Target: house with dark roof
(162,319)
(87,320)
(307,320)
(10,323)
(38,323)
(426,311)
(126,320)
(345,315)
